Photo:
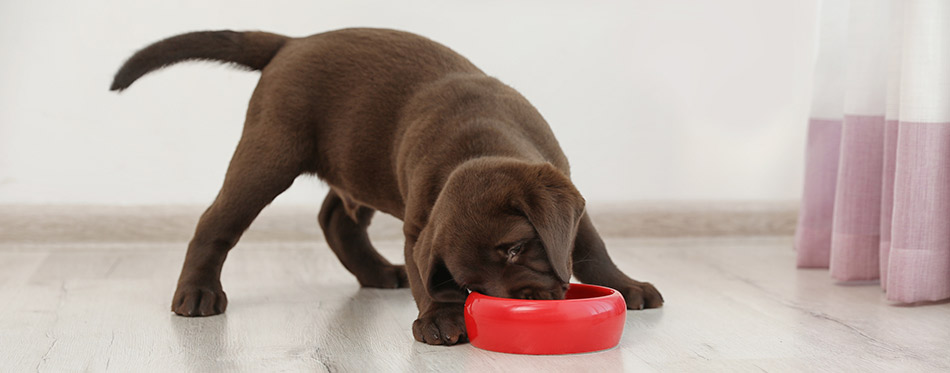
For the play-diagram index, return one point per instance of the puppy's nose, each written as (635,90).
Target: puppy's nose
(537,294)
(477,289)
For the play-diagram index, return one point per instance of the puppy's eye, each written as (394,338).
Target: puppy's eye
(515,250)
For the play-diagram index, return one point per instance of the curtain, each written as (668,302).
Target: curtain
(876,200)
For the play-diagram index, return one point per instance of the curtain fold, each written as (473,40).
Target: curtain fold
(876,200)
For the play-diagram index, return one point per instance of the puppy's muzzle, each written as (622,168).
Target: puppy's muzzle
(531,293)
(540,294)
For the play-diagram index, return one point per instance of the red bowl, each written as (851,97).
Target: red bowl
(591,318)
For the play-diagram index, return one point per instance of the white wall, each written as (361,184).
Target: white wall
(651,100)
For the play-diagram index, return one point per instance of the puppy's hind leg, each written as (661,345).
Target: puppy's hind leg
(262,167)
(347,237)
(592,265)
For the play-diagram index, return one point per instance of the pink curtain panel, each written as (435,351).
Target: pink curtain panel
(876,201)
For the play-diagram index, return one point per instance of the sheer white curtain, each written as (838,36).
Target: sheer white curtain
(876,202)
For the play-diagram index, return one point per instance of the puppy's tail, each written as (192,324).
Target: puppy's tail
(251,50)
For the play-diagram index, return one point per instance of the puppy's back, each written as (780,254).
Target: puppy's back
(350,87)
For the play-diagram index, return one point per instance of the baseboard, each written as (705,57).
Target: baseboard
(88,224)
(696,219)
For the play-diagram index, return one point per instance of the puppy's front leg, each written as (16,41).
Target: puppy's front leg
(592,265)
(439,323)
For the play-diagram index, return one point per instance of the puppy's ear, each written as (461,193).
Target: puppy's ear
(554,207)
(436,278)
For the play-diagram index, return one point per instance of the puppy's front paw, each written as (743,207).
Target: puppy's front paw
(640,295)
(199,300)
(444,326)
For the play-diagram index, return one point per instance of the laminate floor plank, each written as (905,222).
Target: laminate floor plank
(733,304)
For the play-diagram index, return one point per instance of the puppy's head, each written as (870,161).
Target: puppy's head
(503,228)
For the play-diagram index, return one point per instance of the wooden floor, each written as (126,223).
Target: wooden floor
(733,304)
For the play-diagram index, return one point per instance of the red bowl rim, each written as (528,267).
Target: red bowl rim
(609,293)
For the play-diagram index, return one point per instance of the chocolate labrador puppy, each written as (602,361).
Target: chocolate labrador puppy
(397,123)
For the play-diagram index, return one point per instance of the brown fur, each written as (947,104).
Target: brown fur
(397,123)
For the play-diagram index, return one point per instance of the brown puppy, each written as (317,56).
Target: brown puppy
(397,123)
